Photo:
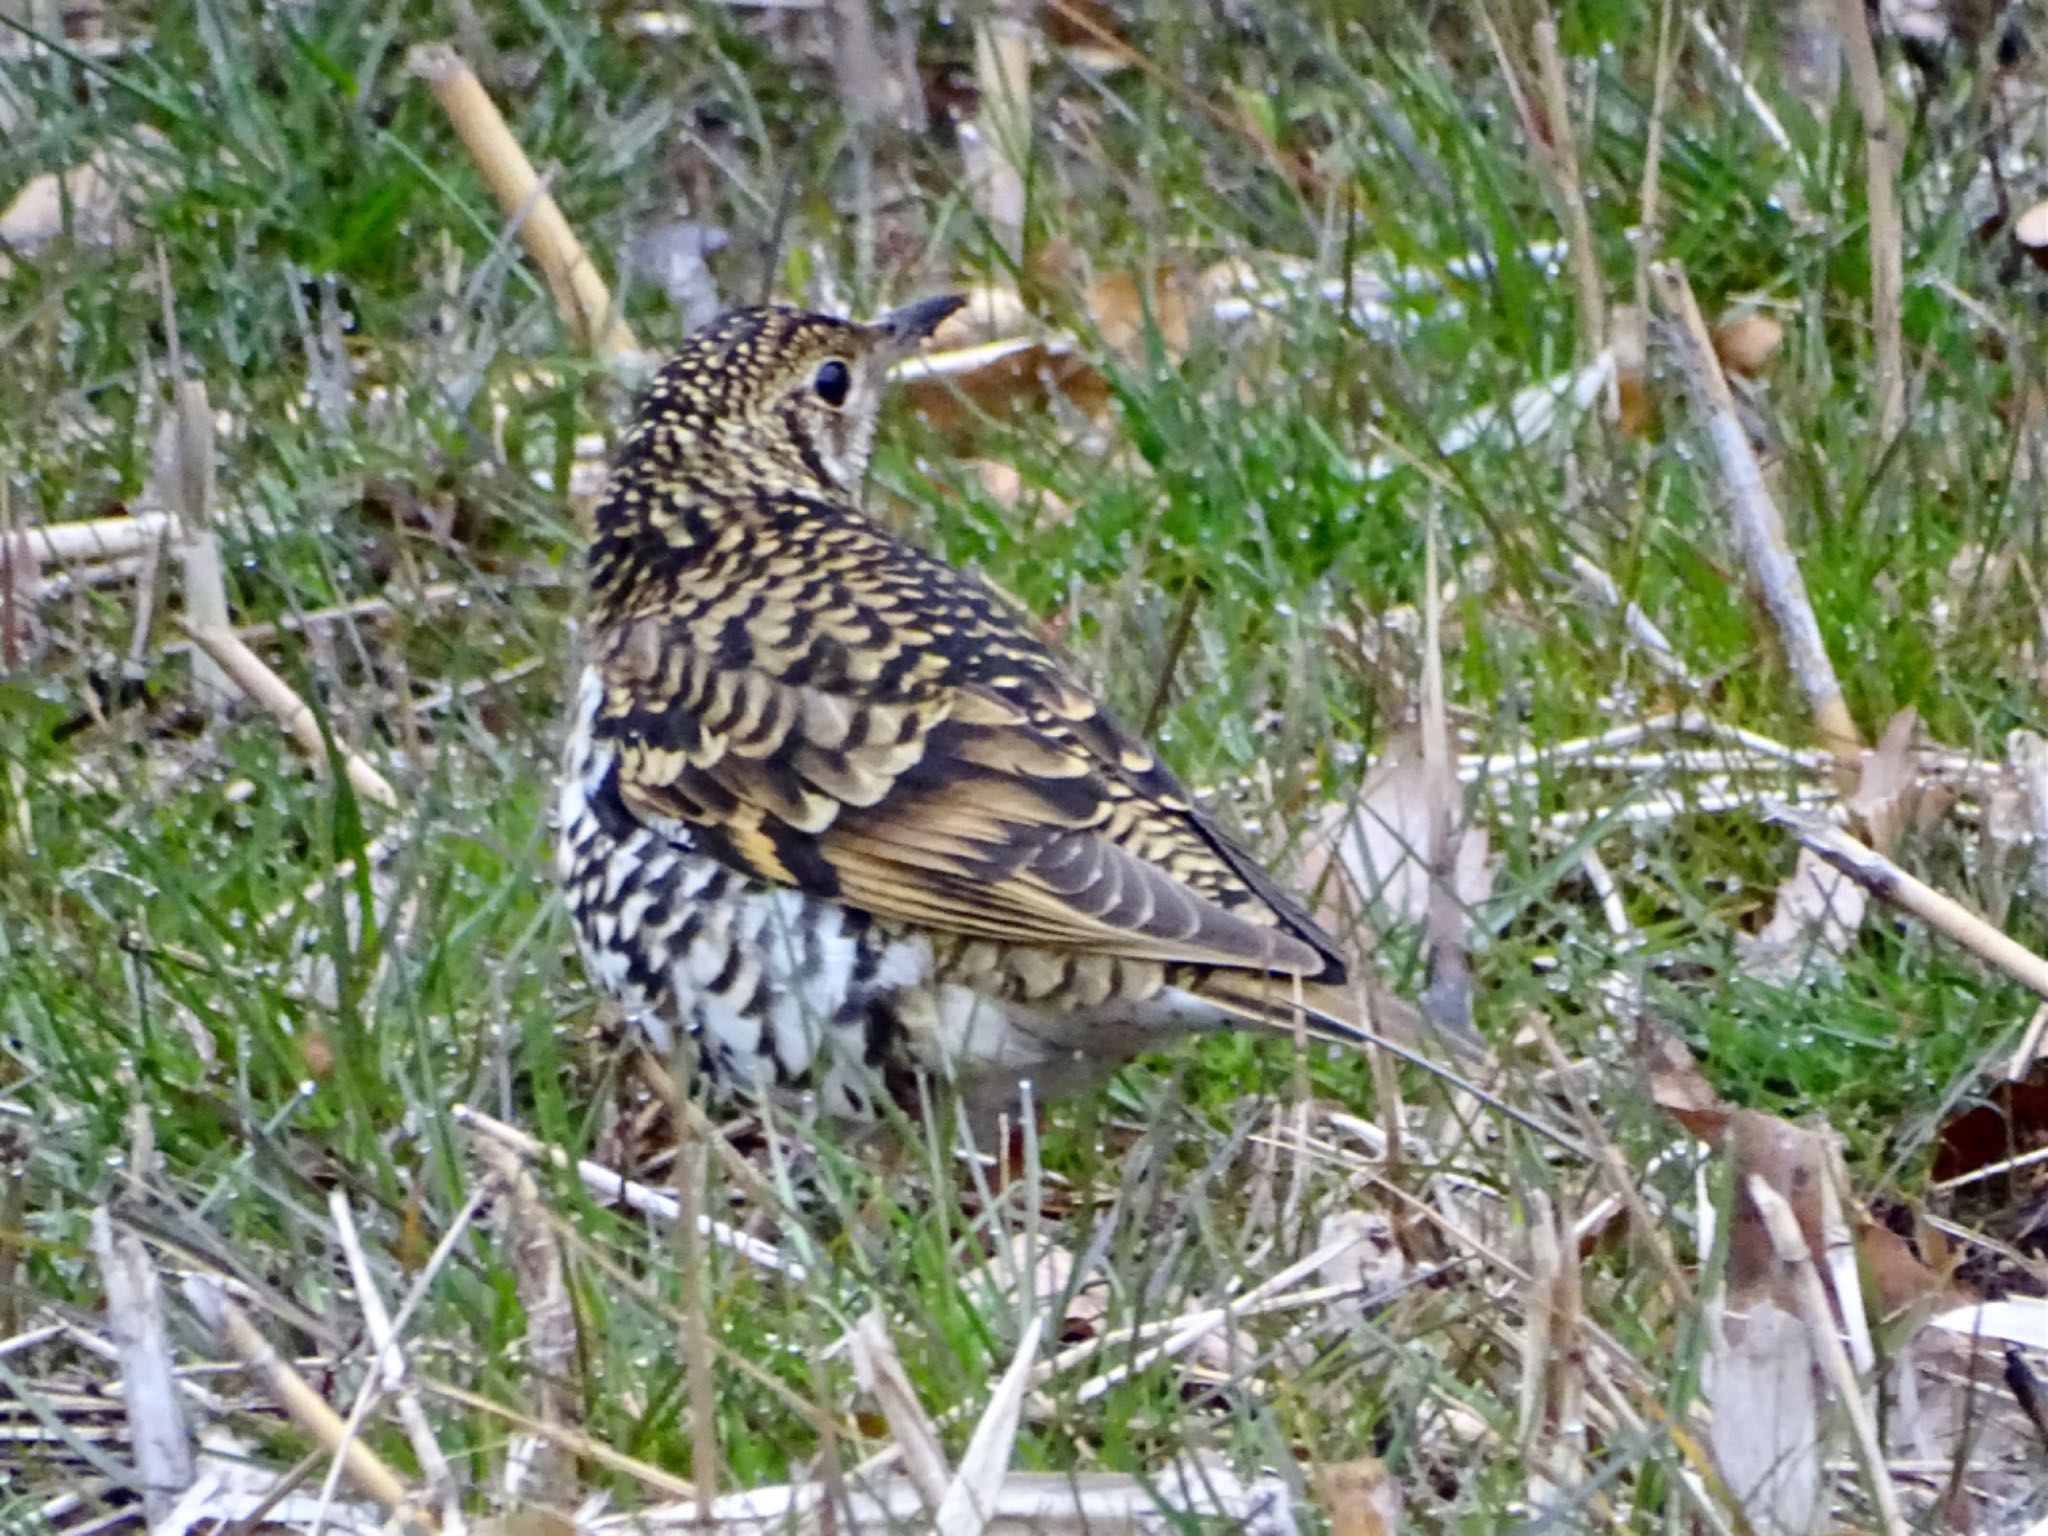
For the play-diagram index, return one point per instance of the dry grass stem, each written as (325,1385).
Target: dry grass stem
(255,678)
(1793,1253)
(135,1319)
(100,538)
(1559,156)
(970,1499)
(305,1407)
(1759,527)
(580,293)
(1884,879)
(1881,150)
(391,1369)
(999,148)
(606,1184)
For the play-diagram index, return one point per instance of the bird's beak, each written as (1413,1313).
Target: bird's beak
(908,327)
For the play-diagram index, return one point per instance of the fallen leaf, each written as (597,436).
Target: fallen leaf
(1759,1382)
(1119,310)
(1885,788)
(953,390)
(1676,1084)
(1818,913)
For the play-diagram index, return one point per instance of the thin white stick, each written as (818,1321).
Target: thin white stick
(1790,1244)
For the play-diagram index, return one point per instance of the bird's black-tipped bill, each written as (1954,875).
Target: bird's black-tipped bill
(914,322)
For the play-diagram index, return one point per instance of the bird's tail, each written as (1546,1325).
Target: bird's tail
(1362,1013)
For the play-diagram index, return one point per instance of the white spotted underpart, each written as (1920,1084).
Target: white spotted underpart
(790,993)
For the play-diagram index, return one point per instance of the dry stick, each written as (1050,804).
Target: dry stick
(693,1255)
(135,1319)
(1790,1245)
(99,538)
(580,294)
(1759,527)
(1000,147)
(1560,157)
(1882,878)
(205,590)
(256,679)
(1649,227)
(1887,239)
(391,1360)
(306,1407)
(608,1185)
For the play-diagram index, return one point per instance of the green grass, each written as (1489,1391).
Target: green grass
(182,932)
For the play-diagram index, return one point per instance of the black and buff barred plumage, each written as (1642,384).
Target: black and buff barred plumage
(828,806)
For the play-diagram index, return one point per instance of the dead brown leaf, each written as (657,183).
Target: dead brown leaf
(1887,787)
(1119,309)
(1677,1086)
(954,391)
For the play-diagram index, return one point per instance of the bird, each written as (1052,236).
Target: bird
(831,812)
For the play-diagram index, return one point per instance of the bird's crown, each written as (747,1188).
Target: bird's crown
(779,396)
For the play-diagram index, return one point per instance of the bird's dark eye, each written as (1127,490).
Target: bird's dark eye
(833,382)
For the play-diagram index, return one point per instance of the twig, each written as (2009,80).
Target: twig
(306,1407)
(1789,1243)
(999,148)
(693,1255)
(255,678)
(1718,51)
(1887,239)
(607,1185)
(377,1322)
(1759,528)
(970,1501)
(879,1372)
(1649,225)
(99,538)
(203,587)
(135,1318)
(1560,157)
(580,294)
(1882,878)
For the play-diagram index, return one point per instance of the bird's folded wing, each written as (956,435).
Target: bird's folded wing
(1019,814)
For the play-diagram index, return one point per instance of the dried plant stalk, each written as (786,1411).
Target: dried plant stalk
(1887,237)
(306,1407)
(1881,877)
(254,676)
(580,293)
(1759,527)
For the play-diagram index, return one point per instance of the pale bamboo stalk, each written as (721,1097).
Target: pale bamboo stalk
(1562,157)
(1887,236)
(254,676)
(580,293)
(1759,527)
(1881,877)
(135,1319)
(305,1407)
(99,538)
(1790,1245)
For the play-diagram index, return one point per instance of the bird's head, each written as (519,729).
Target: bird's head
(779,393)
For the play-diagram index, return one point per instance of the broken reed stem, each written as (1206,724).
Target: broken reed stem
(304,1406)
(1789,1243)
(1649,228)
(1002,73)
(135,1320)
(1560,158)
(580,293)
(203,586)
(1887,237)
(1759,527)
(693,1256)
(255,678)
(1882,878)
